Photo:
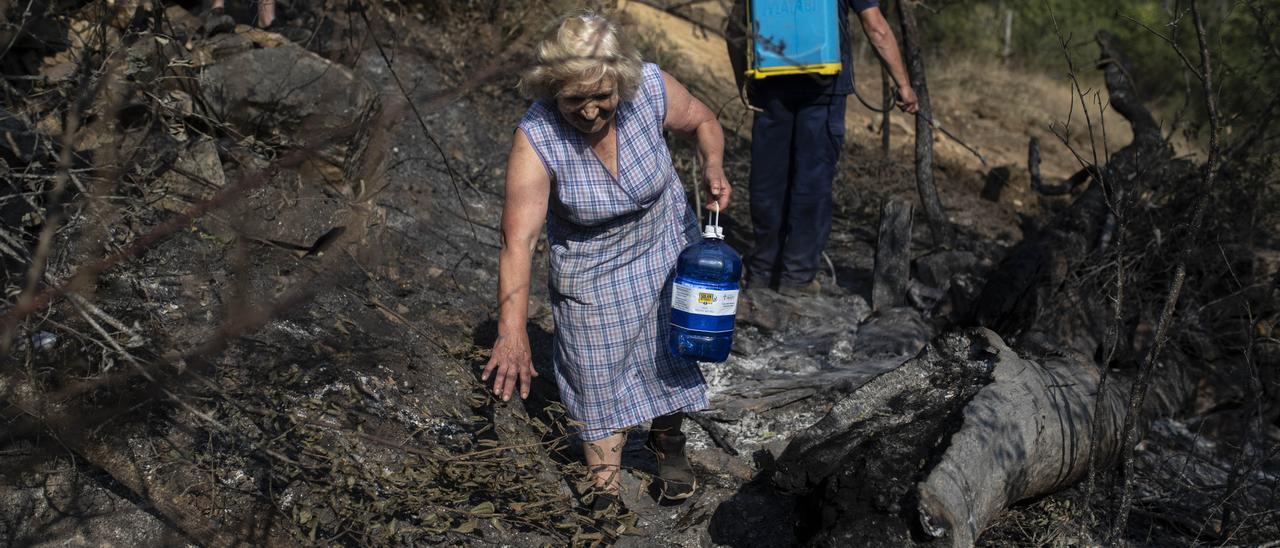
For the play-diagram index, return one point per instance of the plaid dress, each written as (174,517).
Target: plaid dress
(613,249)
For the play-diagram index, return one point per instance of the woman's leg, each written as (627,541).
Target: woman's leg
(217,4)
(604,459)
(266,12)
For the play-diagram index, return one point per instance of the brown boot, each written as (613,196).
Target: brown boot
(811,289)
(678,480)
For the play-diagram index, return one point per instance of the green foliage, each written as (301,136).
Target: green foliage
(1239,36)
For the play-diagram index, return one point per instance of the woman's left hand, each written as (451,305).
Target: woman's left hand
(717,188)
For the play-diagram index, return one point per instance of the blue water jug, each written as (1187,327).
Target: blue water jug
(704,298)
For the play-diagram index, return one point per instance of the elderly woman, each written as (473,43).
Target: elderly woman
(590,159)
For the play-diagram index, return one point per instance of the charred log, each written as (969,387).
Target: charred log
(973,425)
(859,462)
(996,180)
(1032,431)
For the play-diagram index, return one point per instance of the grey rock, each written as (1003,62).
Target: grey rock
(937,269)
(196,175)
(216,22)
(286,90)
(893,332)
(923,297)
(763,309)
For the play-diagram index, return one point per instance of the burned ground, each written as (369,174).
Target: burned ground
(300,240)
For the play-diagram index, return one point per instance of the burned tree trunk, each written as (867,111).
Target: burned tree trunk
(1033,163)
(1031,432)
(939,226)
(1022,428)
(886,103)
(858,463)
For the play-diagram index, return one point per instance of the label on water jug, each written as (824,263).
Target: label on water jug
(703,301)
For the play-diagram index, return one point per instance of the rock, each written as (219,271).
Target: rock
(126,11)
(838,349)
(179,101)
(216,21)
(57,68)
(853,308)
(182,22)
(196,175)
(892,332)
(924,298)
(85,32)
(800,365)
(284,91)
(937,269)
(745,346)
(151,57)
(760,308)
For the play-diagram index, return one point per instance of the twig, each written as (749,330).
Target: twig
(1185,61)
(1208,173)
(88,273)
(714,431)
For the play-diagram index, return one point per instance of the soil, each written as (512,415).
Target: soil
(378,274)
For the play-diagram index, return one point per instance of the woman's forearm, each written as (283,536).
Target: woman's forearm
(710,137)
(515,264)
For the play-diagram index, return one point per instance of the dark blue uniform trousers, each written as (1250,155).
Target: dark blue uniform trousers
(795,143)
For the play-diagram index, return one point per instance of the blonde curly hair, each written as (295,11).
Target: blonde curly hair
(582,46)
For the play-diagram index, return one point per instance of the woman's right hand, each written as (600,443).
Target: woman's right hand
(511,363)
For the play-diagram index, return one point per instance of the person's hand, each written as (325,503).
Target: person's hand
(717,187)
(906,100)
(511,364)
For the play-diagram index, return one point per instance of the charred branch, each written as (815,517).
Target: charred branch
(893,256)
